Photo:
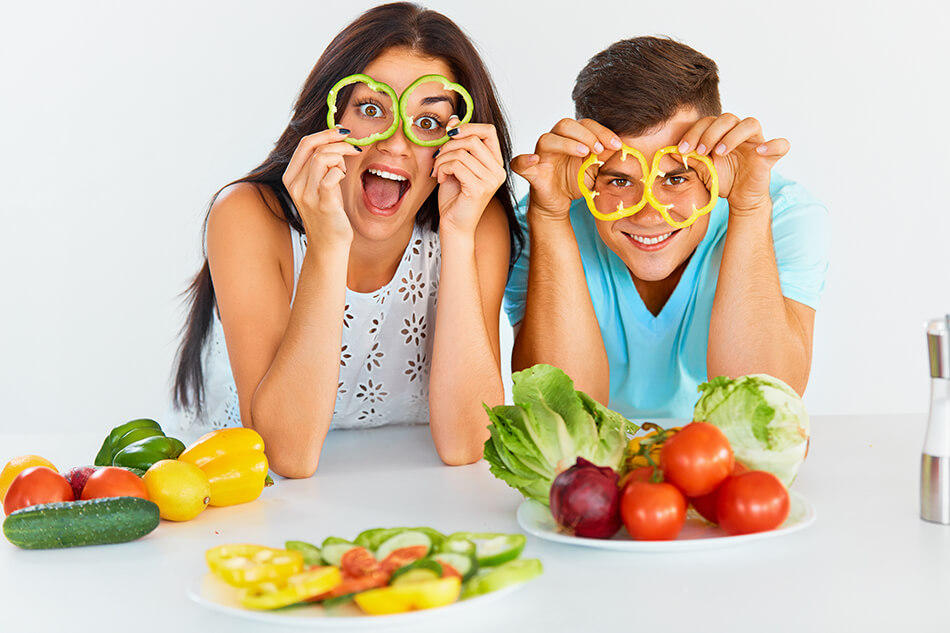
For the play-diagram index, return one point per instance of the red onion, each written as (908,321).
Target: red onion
(585,500)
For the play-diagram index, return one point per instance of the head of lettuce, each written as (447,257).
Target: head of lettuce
(764,419)
(549,426)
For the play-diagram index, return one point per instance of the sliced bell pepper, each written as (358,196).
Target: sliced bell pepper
(494,548)
(234,461)
(621,212)
(406,597)
(296,588)
(407,119)
(244,565)
(377,86)
(511,573)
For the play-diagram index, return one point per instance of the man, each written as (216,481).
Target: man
(640,310)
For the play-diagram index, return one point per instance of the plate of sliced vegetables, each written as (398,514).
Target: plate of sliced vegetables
(384,575)
(536,519)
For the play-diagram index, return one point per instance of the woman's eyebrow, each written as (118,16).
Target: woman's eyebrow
(437,99)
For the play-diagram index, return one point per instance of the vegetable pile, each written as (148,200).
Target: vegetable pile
(549,426)
(140,477)
(383,571)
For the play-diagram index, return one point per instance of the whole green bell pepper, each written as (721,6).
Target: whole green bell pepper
(145,452)
(113,442)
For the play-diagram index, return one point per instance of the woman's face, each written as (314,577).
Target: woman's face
(387,183)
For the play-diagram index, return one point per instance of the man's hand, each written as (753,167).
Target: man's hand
(552,169)
(742,157)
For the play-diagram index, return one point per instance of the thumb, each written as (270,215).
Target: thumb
(525,165)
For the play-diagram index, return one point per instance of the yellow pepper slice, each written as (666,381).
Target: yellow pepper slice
(234,461)
(621,212)
(410,596)
(243,565)
(296,588)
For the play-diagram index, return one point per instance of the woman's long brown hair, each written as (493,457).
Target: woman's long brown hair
(398,24)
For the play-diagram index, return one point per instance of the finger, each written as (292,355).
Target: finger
(581,134)
(308,145)
(747,130)
(482,131)
(713,134)
(776,148)
(317,169)
(604,134)
(551,143)
(525,165)
(473,145)
(451,165)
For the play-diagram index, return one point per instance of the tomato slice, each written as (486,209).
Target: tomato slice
(358,562)
(401,557)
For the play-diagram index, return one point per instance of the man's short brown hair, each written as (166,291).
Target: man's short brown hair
(634,85)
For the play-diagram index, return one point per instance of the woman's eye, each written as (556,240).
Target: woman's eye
(371,110)
(428,123)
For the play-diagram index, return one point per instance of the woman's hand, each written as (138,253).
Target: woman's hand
(742,157)
(469,169)
(552,169)
(313,179)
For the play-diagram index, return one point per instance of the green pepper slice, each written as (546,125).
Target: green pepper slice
(407,120)
(376,86)
(511,573)
(492,548)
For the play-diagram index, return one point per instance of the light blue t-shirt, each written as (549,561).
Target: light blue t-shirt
(657,362)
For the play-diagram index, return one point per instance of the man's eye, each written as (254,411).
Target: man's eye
(676,180)
(371,110)
(620,182)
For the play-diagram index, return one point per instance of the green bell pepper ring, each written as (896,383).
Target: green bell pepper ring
(145,452)
(511,573)
(494,548)
(377,86)
(407,120)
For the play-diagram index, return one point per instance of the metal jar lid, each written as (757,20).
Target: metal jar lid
(938,345)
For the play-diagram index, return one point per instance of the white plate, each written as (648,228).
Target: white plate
(215,594)
(535,518)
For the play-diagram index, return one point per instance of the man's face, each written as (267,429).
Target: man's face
(651,249)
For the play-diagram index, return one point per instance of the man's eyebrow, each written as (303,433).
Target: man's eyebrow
(616,173)
(679,171)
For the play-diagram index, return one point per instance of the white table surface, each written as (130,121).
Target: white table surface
(867,564)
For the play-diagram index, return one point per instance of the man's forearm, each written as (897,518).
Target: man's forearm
(560,326)
(753,329)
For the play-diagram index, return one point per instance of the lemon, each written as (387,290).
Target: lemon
(181,490)
(17,465)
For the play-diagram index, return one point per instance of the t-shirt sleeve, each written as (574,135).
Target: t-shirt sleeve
(516,291)
(801,236)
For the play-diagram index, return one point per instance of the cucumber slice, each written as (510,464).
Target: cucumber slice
(335,539)
(371,539)
(462,563)
(420,571)
(404,539)
(493,548)
(332,553)
(505,575)
(311,553)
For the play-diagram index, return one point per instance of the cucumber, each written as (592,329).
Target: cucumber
(332,553)
(462,563)
(77,523)
(403,539)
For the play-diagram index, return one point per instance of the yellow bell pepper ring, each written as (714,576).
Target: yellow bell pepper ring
(425,594)
(217,443)
(242,565)
(234,461)
(296,588)
(621,212)
(664,209)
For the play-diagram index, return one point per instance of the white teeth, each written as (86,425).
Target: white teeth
(650,240)
(386,174)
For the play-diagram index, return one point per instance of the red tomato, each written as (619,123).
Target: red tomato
(35,485)
(652,512)
(643,473)
(697,459)
(755,501)
(706,504)
(113,481)
(358,562)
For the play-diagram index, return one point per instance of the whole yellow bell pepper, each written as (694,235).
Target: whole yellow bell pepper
(234,461)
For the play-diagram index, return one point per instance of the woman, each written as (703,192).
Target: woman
(398,250)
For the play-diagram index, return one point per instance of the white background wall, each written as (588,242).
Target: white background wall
(119,120)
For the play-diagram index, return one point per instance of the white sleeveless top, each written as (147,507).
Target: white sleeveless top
(385,352)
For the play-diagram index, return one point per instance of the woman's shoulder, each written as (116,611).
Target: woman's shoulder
(247,214)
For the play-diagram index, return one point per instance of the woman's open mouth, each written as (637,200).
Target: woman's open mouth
(383,189)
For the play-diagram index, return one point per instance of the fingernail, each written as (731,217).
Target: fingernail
(436,152)
(683,147)
(534,158)
(358,148)
(453,131)
(582,149)
(700,149)
(721,149)
(598,147)
(616,143)
(342,130)
(761,149)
